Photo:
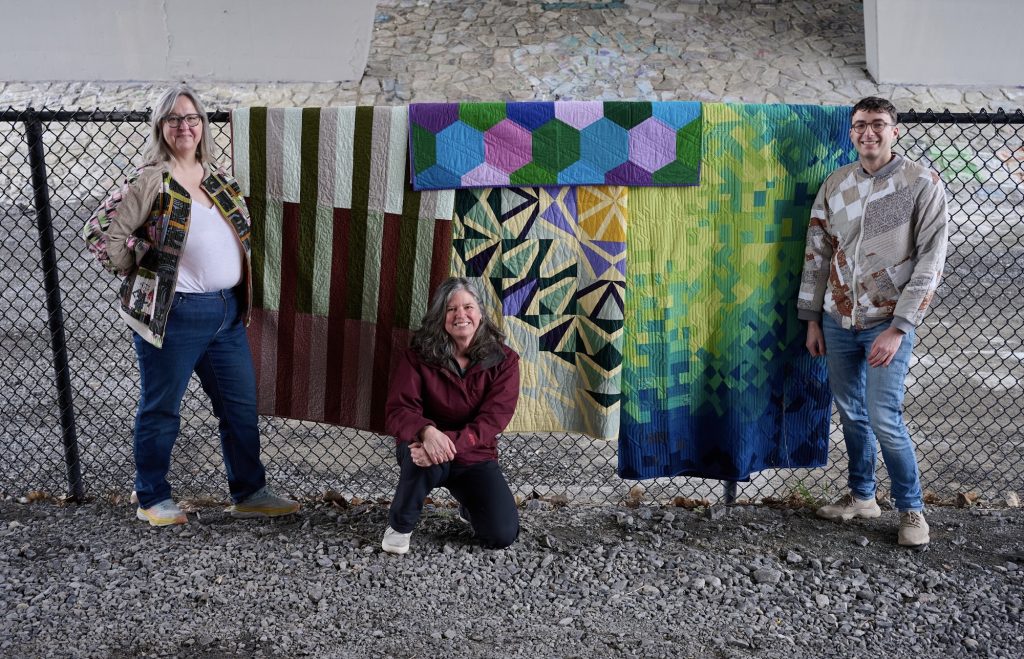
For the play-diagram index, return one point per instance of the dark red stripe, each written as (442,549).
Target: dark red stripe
(441,257)
(336,317)
(351,376)
(302,355)
(286,329)
(255,335)
(385,317)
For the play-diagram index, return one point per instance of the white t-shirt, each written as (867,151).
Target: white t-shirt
(212,259)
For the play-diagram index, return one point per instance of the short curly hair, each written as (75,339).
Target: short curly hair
(875,104)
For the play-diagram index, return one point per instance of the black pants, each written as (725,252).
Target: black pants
(481,488)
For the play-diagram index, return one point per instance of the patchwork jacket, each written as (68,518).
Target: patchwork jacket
(472,409)
(876,246)
(140,230)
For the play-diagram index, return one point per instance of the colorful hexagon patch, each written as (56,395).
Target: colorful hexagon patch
(477,145)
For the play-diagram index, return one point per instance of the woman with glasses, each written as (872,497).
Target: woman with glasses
(178,232)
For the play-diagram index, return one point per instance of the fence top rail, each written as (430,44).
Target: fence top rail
(999,116)
(92,116)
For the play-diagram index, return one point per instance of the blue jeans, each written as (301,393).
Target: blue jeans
(870,403)
(204,334)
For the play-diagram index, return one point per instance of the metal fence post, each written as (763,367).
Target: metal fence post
(54,309)
(728,492)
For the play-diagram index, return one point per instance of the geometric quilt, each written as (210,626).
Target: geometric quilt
(477,145)
(551,263)
(716,380)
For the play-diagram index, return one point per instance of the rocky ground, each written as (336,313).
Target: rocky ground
(746,581)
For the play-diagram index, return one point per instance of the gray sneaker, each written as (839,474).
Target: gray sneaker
(395,542)
(913,529)
(848,507)
(263,503)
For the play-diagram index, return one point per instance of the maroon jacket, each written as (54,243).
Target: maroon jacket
(471,410)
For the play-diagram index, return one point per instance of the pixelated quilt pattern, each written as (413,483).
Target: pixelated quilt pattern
(345,256)
(551,263)
(479,145)
(716,380)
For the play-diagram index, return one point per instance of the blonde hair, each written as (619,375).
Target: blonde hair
(156,149)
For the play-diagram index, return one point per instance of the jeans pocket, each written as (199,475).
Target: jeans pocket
(178,300)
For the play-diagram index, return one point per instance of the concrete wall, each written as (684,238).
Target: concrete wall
(945,42)
(228,40)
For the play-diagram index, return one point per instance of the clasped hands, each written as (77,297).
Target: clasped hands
(434,448)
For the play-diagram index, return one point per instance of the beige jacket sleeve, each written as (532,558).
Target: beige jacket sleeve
(110,231)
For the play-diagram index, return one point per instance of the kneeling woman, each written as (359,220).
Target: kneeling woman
(452,392)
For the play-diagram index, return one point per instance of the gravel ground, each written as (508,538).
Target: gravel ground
(749,581)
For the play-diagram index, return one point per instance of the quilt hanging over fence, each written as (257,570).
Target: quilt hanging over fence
(692,355)
(552,264)
(475,145)
(345,256)
(716,380)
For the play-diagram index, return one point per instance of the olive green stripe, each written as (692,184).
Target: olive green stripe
(362,147)
(257,197)
(309,182)
(407,249)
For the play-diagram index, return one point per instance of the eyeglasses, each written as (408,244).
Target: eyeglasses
(861,126)
(174,120)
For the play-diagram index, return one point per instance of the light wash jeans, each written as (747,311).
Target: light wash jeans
(870,403)
(204,334)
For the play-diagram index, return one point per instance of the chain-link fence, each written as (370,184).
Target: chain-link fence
(68,377)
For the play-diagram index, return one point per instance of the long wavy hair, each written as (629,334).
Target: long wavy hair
(432,342)
(156,149)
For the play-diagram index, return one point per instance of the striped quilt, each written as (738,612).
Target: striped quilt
(345,256)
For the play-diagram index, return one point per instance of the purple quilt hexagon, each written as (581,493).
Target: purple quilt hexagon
(477,145)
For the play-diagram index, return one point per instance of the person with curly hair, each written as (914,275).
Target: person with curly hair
(453,391)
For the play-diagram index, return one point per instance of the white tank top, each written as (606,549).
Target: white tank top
(212,259)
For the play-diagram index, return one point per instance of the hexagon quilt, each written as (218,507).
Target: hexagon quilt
(547,143)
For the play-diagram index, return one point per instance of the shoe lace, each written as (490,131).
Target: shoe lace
(911,519)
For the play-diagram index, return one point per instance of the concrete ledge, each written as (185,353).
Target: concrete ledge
(229,40)
(945,42)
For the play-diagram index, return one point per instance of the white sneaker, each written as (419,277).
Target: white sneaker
(165,513)
(913,529)
(395,542)
(848,507)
